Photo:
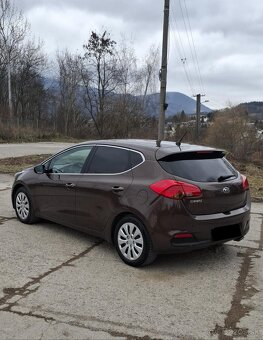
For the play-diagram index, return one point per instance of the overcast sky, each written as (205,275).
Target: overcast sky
(227,35)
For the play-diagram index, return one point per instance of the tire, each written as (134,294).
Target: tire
(24,207)
(133,243)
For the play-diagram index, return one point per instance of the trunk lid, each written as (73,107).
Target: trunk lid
(220,183)
(217,198)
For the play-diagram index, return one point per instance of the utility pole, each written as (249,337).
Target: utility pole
(198,110)
(163,73)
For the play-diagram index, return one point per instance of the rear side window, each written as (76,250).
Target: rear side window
(110,160)
(200,167)
(136,158)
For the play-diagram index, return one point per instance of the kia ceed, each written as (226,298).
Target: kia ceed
(143,198)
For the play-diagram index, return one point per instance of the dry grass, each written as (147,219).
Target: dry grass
(26,134)
(14,164)
(253,172)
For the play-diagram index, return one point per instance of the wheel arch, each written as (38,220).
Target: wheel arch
(119,217)
(148,255)
(14,190)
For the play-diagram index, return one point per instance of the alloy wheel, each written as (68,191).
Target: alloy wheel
(130,241)
(22,206)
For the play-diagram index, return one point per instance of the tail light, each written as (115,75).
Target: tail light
(175,189)
(245,184)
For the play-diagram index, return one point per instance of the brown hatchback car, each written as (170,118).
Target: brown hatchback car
(144,199)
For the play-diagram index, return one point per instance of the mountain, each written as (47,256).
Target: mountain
(51,83)
(253,107)
(176,103)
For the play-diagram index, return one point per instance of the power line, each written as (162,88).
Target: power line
(178,33)
(189,42)
(195,53)
(181,51)
(187,75)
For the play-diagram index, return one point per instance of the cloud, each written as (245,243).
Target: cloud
(227,36)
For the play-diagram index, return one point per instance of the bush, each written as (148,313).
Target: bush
(232,131)
(11,133)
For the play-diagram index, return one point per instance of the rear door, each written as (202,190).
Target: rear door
(221,184)
(102,191)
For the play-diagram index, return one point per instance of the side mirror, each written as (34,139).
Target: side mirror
(40,169)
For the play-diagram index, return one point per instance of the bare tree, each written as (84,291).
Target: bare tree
(69,90)
(100,76)
(28,85)
(149,71)
(128,69)
(231,130)
(13,29)
(126,105)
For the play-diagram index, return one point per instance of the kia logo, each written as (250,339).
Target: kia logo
(226,190)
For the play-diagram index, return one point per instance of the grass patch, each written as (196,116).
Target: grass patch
(253,172)
(254,175)
(14,164)
(29,134)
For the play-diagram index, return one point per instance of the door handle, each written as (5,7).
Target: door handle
(117,189)
(70,185)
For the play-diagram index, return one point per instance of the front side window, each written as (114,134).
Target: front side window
(71,161)
(110,160)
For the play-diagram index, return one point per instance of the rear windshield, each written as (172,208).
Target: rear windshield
(200,167)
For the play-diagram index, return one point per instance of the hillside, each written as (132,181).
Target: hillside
(176,103)
(254,109)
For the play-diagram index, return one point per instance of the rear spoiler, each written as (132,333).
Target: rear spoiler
(169,154)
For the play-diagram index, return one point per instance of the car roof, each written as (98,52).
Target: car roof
(149,147)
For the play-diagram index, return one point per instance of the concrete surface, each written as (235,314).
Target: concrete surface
(23,149)
(57,283)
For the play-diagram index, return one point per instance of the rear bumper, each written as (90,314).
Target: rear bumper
(207,230)
(188,247)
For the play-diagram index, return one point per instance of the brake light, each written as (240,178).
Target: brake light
(175,189)
(245,183)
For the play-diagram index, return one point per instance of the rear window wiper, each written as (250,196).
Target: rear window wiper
(223,178)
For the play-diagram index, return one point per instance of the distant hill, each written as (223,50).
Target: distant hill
(254,109)
(51,83)
(176,103)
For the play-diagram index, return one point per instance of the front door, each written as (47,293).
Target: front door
(56,191)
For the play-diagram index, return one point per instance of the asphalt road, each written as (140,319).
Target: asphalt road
(57,283)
